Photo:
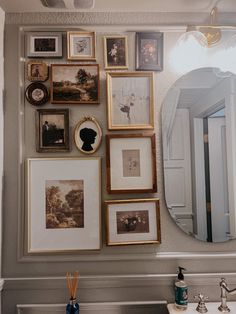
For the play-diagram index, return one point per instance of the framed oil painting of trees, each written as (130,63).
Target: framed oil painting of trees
(131,163)
(133,221)
(62,216)
(75,84)
(130,100)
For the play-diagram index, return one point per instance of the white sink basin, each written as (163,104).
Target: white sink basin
(211,306)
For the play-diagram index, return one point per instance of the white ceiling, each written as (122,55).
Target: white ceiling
(128,6)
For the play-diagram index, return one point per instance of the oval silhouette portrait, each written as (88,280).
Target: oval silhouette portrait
(88,135)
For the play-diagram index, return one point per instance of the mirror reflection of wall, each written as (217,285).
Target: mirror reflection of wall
(199,152)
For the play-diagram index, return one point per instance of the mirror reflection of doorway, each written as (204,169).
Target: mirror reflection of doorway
(199,152)
(218,189)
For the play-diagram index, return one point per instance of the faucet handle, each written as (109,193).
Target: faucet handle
(201,308)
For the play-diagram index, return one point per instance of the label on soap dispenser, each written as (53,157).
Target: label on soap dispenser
(181,296)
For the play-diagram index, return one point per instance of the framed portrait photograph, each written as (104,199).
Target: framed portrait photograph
(37,71)
(88,135)
(52,130)
(133,221)
(130,100)
(115,52)
(37,94)
(149,51)
(61,214)
(44,44)
(81,45)
(131,163)
(75,84)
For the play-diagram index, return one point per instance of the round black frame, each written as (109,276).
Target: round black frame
(29,94)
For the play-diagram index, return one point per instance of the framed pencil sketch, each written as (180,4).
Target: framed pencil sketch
(131,163)
(149,51)
(44,44)
(81,45)
(52,130)
(130,100)
(75,84)
(37,71)
(133,221)
(62,216)
(88,135)
(115,52)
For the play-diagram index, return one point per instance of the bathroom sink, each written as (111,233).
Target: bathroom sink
(211,306)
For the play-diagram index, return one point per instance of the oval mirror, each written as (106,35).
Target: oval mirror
(199,153)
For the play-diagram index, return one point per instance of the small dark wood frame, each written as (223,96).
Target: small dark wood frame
(29,94)
(158,37)
(52,148)
(153,188)
(67,91)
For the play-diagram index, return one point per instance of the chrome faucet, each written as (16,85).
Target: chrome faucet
(224,290)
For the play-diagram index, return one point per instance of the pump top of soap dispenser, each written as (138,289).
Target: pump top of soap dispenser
(180,273)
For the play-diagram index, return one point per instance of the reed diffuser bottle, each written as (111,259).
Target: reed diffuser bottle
(72,283)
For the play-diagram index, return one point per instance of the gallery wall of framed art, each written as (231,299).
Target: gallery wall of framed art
(83,99)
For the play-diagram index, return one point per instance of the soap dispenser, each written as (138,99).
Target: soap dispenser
(181,291)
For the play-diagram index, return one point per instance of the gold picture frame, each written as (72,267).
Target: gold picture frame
(81,45)
(133,221)
(37,71)
(115,52)
(130,100)
(88,135)
(72,221)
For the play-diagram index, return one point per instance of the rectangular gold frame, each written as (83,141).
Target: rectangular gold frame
(123,52)
(133,201)
(81,34)
(124,108)
(28,216)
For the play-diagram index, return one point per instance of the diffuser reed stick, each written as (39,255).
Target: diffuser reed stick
(72,284)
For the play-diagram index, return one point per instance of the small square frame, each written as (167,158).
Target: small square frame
(115,52)
(81,45)
(133,221)
(66,224)
(131,163)
(52,130)
(149,51)
(44,44)
(37,71)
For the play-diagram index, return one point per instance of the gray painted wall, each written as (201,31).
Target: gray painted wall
(139,272)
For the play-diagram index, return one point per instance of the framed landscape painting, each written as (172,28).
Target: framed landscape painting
(130,100)
(52,130)
(149,51)
(62,216)
(133,221)
(131,163)
(116,52)
(75,84)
